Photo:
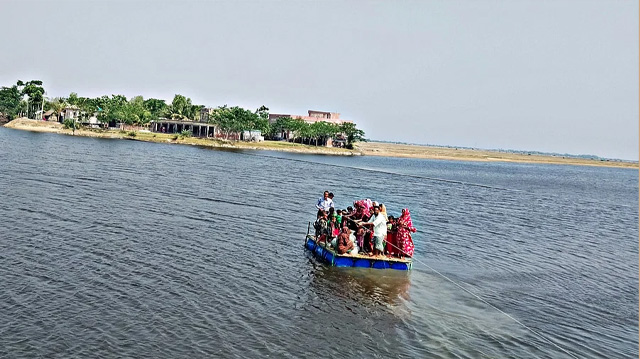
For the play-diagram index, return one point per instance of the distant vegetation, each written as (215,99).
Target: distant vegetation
(28,100)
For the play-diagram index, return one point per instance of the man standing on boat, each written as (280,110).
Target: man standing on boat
(379,224)
(324,202)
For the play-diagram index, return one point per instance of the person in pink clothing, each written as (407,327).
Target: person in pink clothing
(403,238)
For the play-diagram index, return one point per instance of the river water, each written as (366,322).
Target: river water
(114,248)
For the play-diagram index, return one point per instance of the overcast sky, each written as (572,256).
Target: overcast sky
(556,76)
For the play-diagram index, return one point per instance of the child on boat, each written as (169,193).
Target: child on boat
(391,237)
(334,227)
(320,225)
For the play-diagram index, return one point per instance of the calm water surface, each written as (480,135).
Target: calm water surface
(112,248)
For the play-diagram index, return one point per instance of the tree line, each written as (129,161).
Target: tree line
(317,131)
(28,99)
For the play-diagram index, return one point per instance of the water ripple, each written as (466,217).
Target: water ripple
(151,250)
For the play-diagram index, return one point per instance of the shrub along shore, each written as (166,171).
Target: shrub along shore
(362,148)
(55,127)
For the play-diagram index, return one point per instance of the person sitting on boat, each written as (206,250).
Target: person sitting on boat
(378,223)
(345,243)
(324,202)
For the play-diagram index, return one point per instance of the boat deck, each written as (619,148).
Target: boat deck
(326,253)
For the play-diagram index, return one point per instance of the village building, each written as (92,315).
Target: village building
(71,112)
(50,116)
(205,113)
(202,127)
(197,128)
(312,117)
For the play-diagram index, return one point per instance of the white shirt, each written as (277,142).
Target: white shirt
(324,204)
(379,225)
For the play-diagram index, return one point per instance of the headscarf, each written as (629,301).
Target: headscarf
(348,231)
(368,205)
(383,210)
(361,209)
(406,219)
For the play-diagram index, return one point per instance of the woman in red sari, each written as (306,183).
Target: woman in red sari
(403,233)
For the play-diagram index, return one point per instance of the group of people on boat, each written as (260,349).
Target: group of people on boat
(365,228)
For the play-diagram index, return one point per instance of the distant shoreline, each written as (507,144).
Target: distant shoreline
(381,149)
(465,154)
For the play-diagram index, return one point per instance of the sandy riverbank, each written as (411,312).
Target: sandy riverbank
(449,153)
(364,148)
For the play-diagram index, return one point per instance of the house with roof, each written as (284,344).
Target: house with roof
(71,112)
(312,117)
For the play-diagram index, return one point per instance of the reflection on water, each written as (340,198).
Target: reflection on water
(366,287)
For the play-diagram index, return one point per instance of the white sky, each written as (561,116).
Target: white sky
(557,76)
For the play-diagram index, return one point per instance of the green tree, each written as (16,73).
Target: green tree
(224,119)
(73,99)
(133,112)
(57,105)
(156,107)
(110,109)
(234,119)
(35,92)
(262,120)
(246,120)
(323,130)
(299,128)
(10,101)
(315,131)
(103,109)
(12,98)
(280,125)
(303,131)
(143,116)
(87,107)
(196,110)
(352,133)
(181,107)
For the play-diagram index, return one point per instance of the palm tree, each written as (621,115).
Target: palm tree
(57,105)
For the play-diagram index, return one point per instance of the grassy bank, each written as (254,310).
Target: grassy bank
(363,148)
(54,127)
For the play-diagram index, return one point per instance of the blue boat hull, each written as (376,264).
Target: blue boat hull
(331,257)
